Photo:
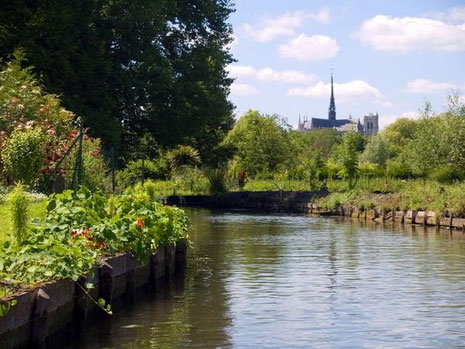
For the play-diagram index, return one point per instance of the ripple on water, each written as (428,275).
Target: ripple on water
(281,281)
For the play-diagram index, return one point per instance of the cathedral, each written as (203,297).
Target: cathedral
(369,127)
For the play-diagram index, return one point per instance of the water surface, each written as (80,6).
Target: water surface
(280,281)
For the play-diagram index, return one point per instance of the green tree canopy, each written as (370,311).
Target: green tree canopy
(131,66)
(262,143)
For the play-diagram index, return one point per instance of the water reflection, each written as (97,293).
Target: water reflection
(277,281)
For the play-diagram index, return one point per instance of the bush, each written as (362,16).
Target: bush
(183,156)
(153,169)
(23,156)
(446,174)
(216,181)
(397,169)
(18,204)
(81,227)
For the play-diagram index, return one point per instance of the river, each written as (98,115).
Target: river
(294,281)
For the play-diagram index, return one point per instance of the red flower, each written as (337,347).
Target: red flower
(140,224)
(74,233)
(167,206)
(102,245)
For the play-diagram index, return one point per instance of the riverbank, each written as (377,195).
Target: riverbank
(50,314)
(374,206)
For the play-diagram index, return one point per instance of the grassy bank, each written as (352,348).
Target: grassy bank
(390,194)
(379,192)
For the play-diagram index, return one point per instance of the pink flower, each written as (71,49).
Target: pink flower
(51,132)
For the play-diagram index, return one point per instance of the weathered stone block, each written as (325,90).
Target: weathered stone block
(458,223)
(410,216)
(399,216)
(16,325)
(420,217)
(431,218)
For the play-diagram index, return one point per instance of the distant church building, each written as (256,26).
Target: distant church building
(369,126)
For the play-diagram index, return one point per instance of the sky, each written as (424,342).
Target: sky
(387,56)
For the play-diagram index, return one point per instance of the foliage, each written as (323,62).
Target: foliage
(79,228)
(398,169)
(216,180)
(36,132)
(183,156)
(23,155)
(19,206)
(346,155)
(262,143)
(156,169)
(376,151)
(446,174)
(132,66)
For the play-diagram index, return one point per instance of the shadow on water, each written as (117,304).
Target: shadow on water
(283,281)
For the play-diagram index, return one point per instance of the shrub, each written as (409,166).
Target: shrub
(18,204)
(183,156)
(23,156)
(216,181)
(446,174)
(153,169)
(397,169)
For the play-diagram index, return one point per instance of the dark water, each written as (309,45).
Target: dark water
(279,281)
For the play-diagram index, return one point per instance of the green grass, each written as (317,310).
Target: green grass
(37,211)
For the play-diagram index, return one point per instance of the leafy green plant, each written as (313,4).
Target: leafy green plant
(216,180)
(153,169)
(79,228)
(183,156)
(19,203)
(23,155)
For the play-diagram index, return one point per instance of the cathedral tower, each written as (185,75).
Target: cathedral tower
(332,104)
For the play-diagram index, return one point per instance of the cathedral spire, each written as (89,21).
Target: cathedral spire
(332,104)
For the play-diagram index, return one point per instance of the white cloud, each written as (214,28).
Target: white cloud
(385,33)
(270,75)
(310,48)
(270,28)
(286,76)
(452,15)
(352,91)
(386,119)
(243,89)
(428,86)
(241,71)
(234,42)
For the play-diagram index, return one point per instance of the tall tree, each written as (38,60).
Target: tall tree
(131,66)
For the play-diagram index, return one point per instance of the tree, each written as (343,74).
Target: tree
(346,155)
(132,66)
(262,143)
(376,151)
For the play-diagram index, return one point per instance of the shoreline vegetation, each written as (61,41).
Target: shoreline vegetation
(70,233)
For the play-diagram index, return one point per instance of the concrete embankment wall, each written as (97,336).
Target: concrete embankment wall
(53,313)
(302,202)
(269,201)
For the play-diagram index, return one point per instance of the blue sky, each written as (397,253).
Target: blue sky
(387,56)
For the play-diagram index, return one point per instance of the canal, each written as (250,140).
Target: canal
(283,281)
